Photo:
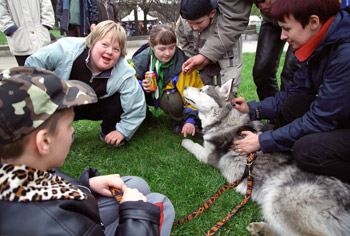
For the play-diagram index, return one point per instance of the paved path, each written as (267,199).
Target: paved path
(9,61)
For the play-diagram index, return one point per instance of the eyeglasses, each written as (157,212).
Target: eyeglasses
(256,2)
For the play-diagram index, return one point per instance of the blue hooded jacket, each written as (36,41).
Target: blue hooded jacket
(59,58)
(325,74)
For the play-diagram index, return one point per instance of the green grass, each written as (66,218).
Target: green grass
(3,39)
(156,155)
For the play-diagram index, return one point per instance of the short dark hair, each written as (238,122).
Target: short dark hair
(303,9)
(195,9)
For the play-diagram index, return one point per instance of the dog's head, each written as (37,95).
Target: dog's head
(213,103)
(208,97)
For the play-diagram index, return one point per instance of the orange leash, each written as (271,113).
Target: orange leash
(218,193)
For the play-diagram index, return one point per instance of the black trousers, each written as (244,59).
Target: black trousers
(74,31)
(326,153)
(267,60)
(108,110)
(21,59)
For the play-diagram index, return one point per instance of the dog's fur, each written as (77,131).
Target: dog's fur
(293,202)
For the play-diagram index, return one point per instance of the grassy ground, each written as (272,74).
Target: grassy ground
(156,155)
(2,38)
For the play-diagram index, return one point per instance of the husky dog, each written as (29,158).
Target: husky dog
(293,202)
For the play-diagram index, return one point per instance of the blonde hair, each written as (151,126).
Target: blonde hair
(104,27)
(162,34)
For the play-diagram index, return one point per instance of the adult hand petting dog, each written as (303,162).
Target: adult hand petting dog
(240,104)
(248,144)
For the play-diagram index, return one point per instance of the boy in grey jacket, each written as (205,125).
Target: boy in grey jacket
(197,23)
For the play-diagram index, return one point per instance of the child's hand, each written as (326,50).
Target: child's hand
(101,184)
(132,194)
(194,63)
(114,138)
(146,85)
(188,128)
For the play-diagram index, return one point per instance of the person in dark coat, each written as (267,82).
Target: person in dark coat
(314,110)
(107,10)
(76,18)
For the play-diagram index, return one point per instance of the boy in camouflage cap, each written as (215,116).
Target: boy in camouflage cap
(36,115)
(28,97)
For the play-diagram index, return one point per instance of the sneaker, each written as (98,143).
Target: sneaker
(177,128)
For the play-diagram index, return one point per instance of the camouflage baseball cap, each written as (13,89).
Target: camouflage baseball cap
(29,96)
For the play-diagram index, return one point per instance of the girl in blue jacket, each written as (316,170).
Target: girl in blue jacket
(314,111)
(99,60)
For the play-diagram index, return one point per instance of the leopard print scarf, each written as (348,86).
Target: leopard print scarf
(19,183)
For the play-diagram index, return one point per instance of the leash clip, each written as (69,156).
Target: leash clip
(249,165)
(250,161)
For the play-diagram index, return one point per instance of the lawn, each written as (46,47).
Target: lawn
(156,155)
(2,38)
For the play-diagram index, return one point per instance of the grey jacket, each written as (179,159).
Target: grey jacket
(60,56)
(232,21)
(193,43)
(26,24)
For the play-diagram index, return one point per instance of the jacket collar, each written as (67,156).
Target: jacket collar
(305,51)
(20,183)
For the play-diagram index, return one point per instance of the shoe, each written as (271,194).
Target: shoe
(149,115)
(103,136)
(177,128)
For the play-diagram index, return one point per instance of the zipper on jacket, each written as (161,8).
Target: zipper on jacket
(197,44)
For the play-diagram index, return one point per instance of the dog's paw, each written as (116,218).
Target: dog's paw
(187,143)
(258,229)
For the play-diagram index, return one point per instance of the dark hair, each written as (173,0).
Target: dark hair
(16,148)
(162,34)
(195,9)
(303,9)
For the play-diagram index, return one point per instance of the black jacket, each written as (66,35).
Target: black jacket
(75,217)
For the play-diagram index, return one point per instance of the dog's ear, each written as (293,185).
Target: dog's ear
(226,89)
